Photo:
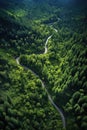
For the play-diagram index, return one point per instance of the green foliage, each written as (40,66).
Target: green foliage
(24,104)
(63,68)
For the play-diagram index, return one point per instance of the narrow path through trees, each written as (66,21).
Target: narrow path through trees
(43,85)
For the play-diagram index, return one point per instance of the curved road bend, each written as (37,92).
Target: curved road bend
(55,30)
(46,49)
(43,85)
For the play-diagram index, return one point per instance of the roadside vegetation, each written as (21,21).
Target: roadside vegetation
(24,105)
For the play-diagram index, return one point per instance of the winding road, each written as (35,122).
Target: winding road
(43,85)
(46,49)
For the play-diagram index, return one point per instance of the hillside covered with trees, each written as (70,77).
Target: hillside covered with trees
(43,65)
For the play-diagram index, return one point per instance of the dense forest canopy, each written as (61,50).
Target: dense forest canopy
(43,65)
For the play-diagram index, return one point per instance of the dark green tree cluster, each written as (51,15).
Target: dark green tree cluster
(24,103)
(64,68)
(17,38)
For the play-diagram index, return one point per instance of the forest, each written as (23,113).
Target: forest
(43,65)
